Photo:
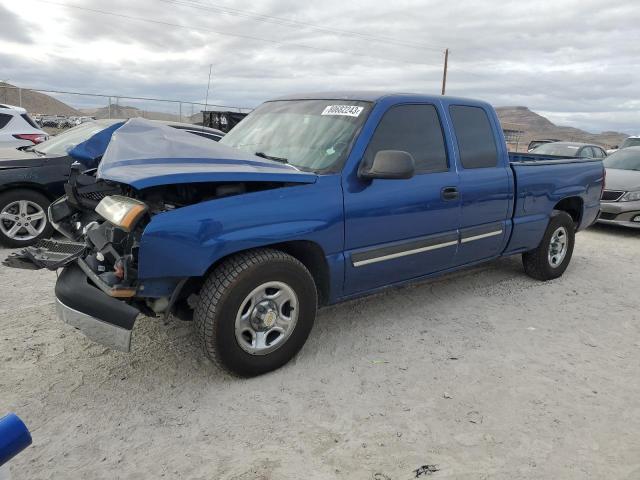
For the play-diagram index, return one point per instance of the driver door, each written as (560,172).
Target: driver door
(397,230)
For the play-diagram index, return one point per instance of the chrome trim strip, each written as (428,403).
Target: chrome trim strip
(483,235)
(404,254)
(97,330)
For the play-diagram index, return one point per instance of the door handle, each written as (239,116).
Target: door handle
(449,193)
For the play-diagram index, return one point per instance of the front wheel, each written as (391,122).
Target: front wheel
(255,311)
(553,255)
(23,218)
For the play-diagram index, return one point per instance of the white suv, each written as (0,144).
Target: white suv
(17,129)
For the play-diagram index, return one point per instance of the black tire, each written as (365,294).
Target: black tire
(537,263)
(11,196)
(223,294)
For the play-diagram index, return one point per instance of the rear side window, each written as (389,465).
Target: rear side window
(476,143)
(587,152)
(27,119)
(415,129)
(4,119)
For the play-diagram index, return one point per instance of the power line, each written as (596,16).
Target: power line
(217,32)
(225,10)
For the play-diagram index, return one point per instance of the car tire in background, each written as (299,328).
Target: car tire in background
(553,255)
(255,311)
(23,218)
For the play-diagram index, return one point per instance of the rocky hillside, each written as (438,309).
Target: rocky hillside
(536,126)
(35,102)
(123,111)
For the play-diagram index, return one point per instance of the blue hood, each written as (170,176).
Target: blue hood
(143,154)
(91,150)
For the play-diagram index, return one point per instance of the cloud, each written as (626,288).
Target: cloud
(575,60)
(13,28)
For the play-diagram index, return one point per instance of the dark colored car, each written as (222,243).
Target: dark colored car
(570,149)
(536,143)
(620,204)
(30,179)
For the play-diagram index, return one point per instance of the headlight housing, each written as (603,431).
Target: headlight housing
(123,212)
(631,196)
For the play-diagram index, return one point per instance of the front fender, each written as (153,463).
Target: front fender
(187,241)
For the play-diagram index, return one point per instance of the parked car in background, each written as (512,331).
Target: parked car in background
(632,141)
(620,203)
(30,179)
(311,199)
(536,143)
(17,129)
(570,149)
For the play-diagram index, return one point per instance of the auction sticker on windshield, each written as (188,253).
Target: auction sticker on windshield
(346,110)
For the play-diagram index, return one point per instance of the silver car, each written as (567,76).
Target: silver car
(620,203)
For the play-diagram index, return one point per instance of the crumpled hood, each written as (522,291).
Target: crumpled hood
(145,154)
(623,180)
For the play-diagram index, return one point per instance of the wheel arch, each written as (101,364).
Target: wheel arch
(307,252)
(574,206)
(36,187)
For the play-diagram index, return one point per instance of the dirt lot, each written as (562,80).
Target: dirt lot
(485,373)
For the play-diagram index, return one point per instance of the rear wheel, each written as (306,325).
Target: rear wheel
(553,255)
(255,311)
(23,218)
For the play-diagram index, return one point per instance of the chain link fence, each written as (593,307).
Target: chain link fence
(58,109)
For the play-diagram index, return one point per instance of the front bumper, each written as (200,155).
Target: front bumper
(620,213)
(99,316)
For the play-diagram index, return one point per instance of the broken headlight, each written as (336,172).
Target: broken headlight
(124,212)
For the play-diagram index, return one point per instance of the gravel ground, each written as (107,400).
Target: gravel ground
(484,374)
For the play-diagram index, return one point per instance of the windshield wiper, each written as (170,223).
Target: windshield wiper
(269,157)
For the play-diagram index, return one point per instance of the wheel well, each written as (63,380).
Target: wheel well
(27,186)
(310,254)
(573,206)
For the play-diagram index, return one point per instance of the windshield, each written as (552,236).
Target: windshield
(309,134)
(631,142)
(62,143)
(624,159)
(559,149)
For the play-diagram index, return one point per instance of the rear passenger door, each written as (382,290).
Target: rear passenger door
(485,185)
(401,229)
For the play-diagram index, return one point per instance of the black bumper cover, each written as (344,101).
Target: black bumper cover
(74,290)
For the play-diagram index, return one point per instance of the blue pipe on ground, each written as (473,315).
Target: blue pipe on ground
(14,437)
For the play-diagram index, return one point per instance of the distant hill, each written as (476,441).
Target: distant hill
(124,111)
(35,102)
(536,126)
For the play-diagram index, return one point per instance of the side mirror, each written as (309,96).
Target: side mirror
(390,164)
(614,147)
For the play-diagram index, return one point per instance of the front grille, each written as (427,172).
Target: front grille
(611,195)
(608,216)
(53,254)
(96,196)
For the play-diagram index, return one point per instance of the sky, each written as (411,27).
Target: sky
(576,62)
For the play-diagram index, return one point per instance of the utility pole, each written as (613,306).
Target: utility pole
(206,101)
(444,72)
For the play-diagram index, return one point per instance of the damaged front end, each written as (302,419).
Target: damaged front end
(98,290)
(98,258)
(147,170)
(102,227)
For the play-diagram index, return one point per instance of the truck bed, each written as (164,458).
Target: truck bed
(537,159)
(541,183)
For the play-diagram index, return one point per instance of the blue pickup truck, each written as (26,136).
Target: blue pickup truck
(309,201)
